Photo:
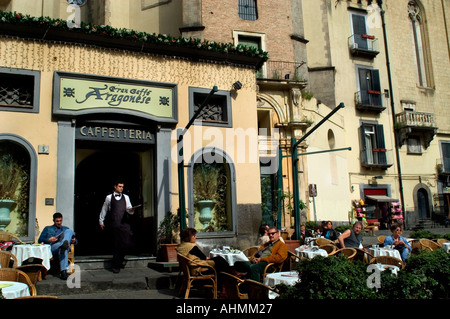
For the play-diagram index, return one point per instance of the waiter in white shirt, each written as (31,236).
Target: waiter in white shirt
(114,214)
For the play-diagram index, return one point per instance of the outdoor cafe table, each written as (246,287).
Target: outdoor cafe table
(230,257)
(446,247)
(288,278)
(310,252)
(14,289)
(385,251)
(23,252)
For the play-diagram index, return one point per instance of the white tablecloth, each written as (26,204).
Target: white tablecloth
(231,258)
(14,289)
(446,247)
(376,252)
(392,268)
(23,252)
(310,252)
(285,277)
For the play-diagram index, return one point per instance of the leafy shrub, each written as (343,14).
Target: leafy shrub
(426,276)
(343,228)
(424,234)
(329,278)
(310,225)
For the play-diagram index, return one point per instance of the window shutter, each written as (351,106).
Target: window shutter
(376,88)
(363,144)
(363,86)
(380,144)
(359,28)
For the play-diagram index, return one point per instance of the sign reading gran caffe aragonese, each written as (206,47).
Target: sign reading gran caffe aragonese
(77,94)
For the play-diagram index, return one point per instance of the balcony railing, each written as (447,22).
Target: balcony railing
(363,45)
(281,70)
(369,100)
(418,119)
(377,158)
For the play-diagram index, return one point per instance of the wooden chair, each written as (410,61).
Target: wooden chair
(5,236)
(257,290)
(363,255)
(7,260)
(350,253)
(231,284)
(35,272)
(323,241)
(330,248)
(388,260)
(188,278)
(250,251)
(429,243)
(12,274)
(381,239)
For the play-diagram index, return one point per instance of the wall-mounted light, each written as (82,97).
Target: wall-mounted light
(237,85)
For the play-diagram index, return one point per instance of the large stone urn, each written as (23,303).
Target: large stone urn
(6,206)
(205,208)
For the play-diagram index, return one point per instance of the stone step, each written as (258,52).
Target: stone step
(105,262)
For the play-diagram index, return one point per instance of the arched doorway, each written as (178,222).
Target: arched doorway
(95,174)
(423,204)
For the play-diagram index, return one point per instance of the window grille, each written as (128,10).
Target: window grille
(248,10)
(16,90)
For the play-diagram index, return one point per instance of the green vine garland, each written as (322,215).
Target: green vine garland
(122,33)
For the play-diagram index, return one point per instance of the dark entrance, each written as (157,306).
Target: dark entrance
(96,171)
(422,200)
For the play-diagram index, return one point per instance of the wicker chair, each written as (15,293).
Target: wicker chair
(363,255)
(188,278)
(35,272)
(388,260)
(5,236)
(231,284)
(7,260)
(330,248)
(350,253)
(38,297)
(440,241)
(323,241)
(12,274)
(381,239)
(250,251)
(257,290)
(429,243)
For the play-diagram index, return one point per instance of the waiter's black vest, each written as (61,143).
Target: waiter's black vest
(117,212)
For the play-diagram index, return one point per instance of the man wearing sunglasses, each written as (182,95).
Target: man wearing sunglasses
(274,251)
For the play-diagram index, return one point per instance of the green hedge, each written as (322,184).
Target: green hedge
(426,276)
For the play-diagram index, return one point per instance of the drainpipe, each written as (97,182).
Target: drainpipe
(394,120)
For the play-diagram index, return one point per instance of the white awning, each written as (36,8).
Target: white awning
(382,198)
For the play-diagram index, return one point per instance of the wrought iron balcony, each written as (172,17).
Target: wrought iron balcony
(363,45)
(281,70)
(376,158)
(369,100)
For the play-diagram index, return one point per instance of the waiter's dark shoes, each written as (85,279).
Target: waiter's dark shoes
(116,270)
(124,263)
(64,275)
(64,247)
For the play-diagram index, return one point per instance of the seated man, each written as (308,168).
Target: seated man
(274,251)
(60,238)
(351,238)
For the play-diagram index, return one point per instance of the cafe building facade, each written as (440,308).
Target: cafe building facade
(83,107)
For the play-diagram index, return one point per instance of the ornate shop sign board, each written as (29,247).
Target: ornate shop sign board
(77,94)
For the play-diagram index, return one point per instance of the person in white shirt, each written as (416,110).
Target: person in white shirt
(114,216)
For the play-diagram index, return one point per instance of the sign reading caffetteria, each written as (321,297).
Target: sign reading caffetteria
(84,94)
(114,134)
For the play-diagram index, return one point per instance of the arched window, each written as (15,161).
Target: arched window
(17,183)
(212,193)
(419,40)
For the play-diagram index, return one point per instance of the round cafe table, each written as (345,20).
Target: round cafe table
(383,251)
(230,257)
(23,252)
(310,252)
(14,289)
(288,278)
(446,247)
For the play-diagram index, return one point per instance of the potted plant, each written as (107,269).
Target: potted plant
(167,243)
(206,182)
(13,180)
